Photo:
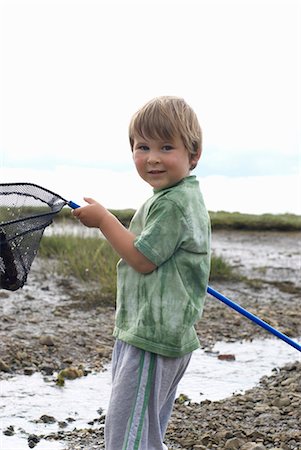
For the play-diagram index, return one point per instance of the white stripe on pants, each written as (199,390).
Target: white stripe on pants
(143,391)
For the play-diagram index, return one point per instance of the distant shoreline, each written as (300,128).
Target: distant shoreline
(222,220)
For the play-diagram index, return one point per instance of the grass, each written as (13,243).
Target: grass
(10,213)
(89,260)
(222,220)
(92,262)
(221,269)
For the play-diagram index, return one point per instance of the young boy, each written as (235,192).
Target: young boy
(162,275)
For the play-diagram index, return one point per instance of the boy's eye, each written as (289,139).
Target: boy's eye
(143,148)
(166,148)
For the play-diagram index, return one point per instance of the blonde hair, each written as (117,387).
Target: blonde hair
(164,118)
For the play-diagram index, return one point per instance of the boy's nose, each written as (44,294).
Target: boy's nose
(153,158)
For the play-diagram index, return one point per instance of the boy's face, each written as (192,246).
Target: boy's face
(162,163)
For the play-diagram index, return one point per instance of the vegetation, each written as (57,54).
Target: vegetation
(222,220)
(10,213)
(92,261)
(89,260)
(221,269)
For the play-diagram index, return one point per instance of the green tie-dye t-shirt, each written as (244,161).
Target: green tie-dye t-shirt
(157,311)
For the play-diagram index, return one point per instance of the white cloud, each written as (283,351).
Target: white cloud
(254,195)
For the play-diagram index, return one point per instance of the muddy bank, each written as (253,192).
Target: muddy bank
(46,328)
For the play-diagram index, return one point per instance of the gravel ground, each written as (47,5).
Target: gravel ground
(45,328)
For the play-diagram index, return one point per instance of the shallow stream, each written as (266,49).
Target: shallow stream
(24,399)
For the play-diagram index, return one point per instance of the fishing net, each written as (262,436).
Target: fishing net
(26,210)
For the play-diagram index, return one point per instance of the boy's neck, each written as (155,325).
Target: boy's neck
(176,184)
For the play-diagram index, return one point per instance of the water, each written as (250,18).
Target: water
(73,228)
(26,398)
(207,377)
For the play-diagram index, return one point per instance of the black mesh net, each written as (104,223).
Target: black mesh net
(25,211)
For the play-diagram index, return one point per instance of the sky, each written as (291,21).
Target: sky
(73,72)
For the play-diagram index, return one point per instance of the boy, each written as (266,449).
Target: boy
(162,275)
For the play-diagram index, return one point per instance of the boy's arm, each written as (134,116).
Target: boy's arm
(121,239)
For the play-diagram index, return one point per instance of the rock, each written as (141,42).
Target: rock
(261,408)
(47,419)
(33,440)
(3,366)
(103,350)
(62,424)
(9,431)
(28,370)
(233,444)
(21,355)
(226,357)
(287,382)
(46,340)
(205,439)
(182,398)
(70,373)
(253,446)
(47,370)
(282,402)
(4,294)
(255,435)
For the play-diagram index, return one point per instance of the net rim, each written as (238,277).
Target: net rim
(19,183)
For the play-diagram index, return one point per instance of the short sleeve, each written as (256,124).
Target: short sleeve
(163,233)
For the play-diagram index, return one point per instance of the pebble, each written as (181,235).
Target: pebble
(47,419)
(226,357)
(3,366)
(33,440)
(46,340)
(9,431)
(253,446)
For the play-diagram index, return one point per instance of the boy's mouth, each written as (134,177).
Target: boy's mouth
(156,172)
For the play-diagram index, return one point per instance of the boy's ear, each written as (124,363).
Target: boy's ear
(195,159)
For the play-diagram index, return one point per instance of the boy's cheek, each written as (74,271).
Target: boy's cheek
(139,162)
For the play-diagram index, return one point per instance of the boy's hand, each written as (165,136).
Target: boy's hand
(92,214)
(95,215)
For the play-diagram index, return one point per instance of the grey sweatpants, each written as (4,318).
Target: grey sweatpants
(143,391)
